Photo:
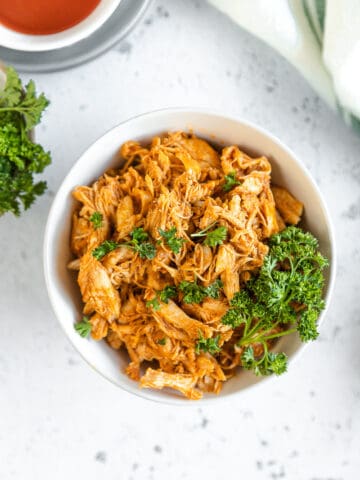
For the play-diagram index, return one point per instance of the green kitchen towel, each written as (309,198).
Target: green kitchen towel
(321,38)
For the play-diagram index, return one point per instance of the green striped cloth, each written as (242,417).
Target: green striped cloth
(315,15)
(321,38)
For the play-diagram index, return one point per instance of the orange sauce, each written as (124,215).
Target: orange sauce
(43,17)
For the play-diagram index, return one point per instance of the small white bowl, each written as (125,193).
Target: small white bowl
(102,155)
(39,43)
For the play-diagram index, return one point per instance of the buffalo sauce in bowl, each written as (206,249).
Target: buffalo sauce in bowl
(44,17)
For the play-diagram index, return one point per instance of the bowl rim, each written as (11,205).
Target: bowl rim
(27,42)
(182,401)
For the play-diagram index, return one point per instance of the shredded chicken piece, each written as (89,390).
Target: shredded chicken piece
(175,182)
(175,316)
(182,382)
(100,327)
(289,207)
(98,293)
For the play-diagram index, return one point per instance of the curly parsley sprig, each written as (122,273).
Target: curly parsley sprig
(287,293)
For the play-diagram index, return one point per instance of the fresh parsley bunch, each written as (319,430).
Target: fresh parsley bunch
(20,158)
(287,293)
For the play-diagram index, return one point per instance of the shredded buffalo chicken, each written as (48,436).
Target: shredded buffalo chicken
(179,184)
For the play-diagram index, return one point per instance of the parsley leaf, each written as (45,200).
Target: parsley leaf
(145,250)
(163,295)
(138,235)
(173,242)
(166,293)
(207,344)
(213,238)
(22,100)
(96,219)
(140,245)
(194,293)
(84,327)
(230,182)
(213,290)
(162,341)
(137,243)
(153,303)
(20,158)
(13,91)
(216,237)
(104,248)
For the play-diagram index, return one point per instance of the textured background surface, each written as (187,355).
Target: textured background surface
(58,418)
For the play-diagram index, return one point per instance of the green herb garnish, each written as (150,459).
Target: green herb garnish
(96,219)
(213,290)
(140,244)
(286,293)
(153,303)
(172,241)
(194,293)
(207,344)
(242,310)
(230,182)
(162,341)
(20,158)
(16,98)
(163,295)
(84,327)
(104,248)
(166,293)
(213,238)
(267,364)
(138,235)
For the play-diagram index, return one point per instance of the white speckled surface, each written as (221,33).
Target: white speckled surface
(58,418)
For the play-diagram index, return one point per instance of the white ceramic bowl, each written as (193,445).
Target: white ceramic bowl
(38,43)
(103,154)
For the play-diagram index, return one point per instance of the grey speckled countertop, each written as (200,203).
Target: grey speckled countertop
(59,419)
